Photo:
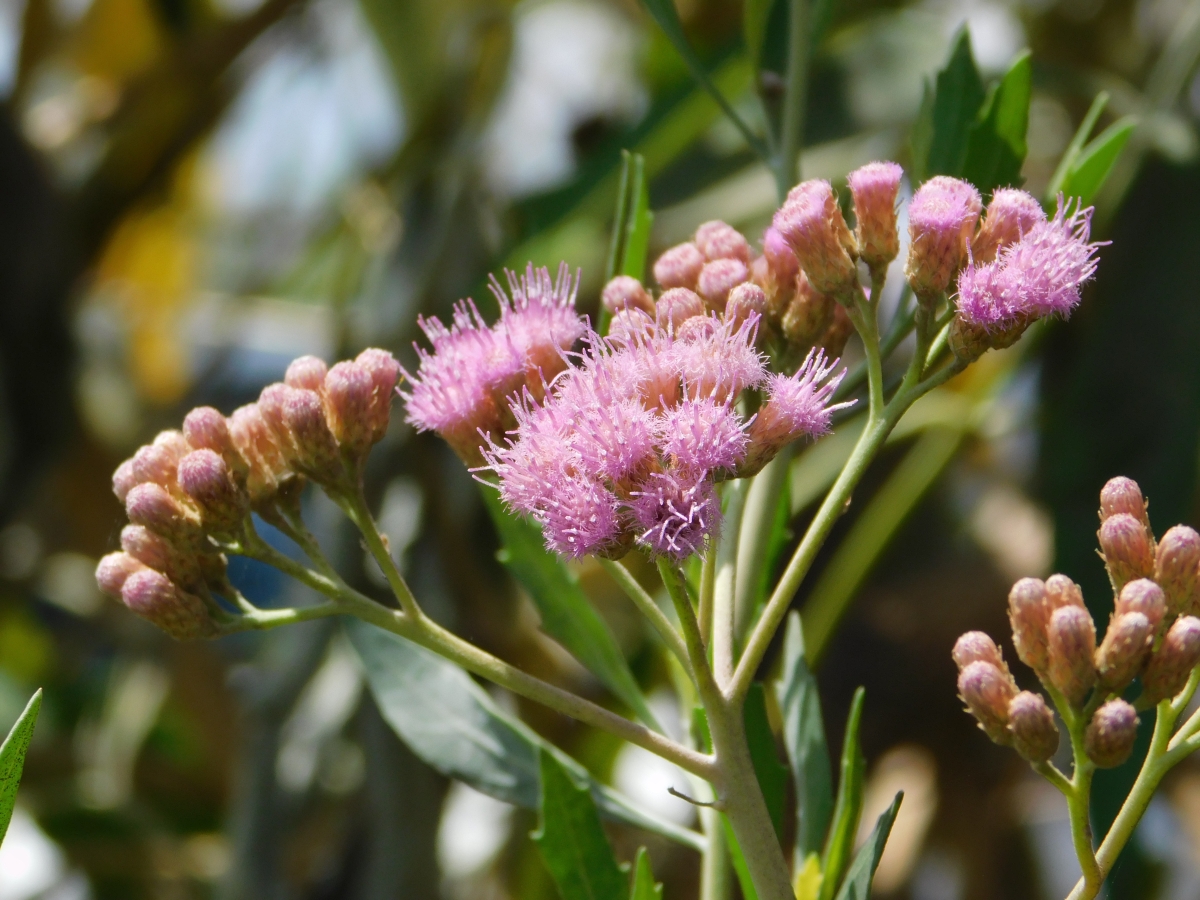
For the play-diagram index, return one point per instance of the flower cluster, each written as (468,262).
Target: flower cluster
(1154,634)
(190,491)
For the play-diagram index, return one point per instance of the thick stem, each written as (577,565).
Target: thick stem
(645,603)
(725,584)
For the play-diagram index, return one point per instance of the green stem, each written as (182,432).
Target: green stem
(355,506)
(725,583)
(758,523)
(708,577)
(1079,798)
(795,99)
(716,882)
(645,603)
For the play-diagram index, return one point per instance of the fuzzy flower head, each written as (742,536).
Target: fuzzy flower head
(874,188)
(579,517)
(719,361)
(703,436)
(539,319)
(676,514)
(941,220)
(1009,217)
(812,224)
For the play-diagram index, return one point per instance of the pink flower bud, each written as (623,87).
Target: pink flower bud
(151,505)
(207,429)
(307,372)
(123,480)
(808,316)
(1072,649)
(1062,591)
(1172,663)
(113,570)
(1009,216)
(316,450)
(833,341)
(205,478)
(745,300)
(812,224)
(1143,596)
(988,691)
(976,646)
(1175,569)
(257,443)
(626,292)
(874,188)
(775,272)
(384,371)
(349,399)
(630,325)
(1128,553)
(697,328)
(1122,495)
(677,305)
(679,267)
(716,240)
(717,279)
(1123,650)
(154,464)
(1029,615)
(155,597)
(271,403)
(941,221)
(1110,735)
(1034,734)
(157,552)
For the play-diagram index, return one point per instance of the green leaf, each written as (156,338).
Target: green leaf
(738,859)
(640,220)
(1071,154)
(567,614)
(849,803)
(804,738)
(771,773)
(452,724)
(756,14)
(921,135)
(858,880)
(1094,164)
(996,147)
(12,758)
(644,885)
(572,840)
(956,105)
(620,219)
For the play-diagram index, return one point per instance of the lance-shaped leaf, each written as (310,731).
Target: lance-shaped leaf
(572,840)
(630,242)
(12,759)
(804,738)
(1075,148)
(996,146)
(953,112)
(771,773)
(644,885)
(738,860)
(848,810)
(452,724)
(567,614)
(1094,164)
(857,885)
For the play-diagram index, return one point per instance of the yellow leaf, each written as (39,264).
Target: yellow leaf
(806,883)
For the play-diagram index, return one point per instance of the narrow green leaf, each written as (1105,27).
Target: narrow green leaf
(956,105)
(12,758)
(639,221)
(858,880)
(567,614)
(1071,154)
(921,135)
(1094,164)
(996,146)
(620,218)
(572,840)
(644,885)
(804,738)
(771,773)
(452,724)
(738,859)
(849,803)
(755,16)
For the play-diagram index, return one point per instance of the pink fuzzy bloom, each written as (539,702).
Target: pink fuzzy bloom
(676,512)
(540,319)
(1009,216)
(1038,276)
(701,436)
(721,362)
(941,221)
(579,517)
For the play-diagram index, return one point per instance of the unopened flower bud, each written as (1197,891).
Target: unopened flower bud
(349,393)
(812,224)
(207,429)
(833,341)
(626,292)
(1175,569)
(257,443)
(155,464)
(1062,591)
(941,221)
(1172,663)
(775,272)
(271,402)
(745,300)
(630,325)
(161,554)
(1128,553)
(1122,495)
(205,478)
(717,279)
(716,240)
(1123,650)
(384,372)
(114,570)
(697,328)
(1034,734)
(316,450)
(976,646)
(1009,215)
(151,505)
(1145,597)
(123,480)
(679,267)
(808,316)
(987,691)
(307,372)
(874,188)
(1072,649)
(677,305)
(1110,735)
(1029,615)
(155,597)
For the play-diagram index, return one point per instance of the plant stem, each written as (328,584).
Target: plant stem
(355,506)
(708,575)
(758,521)
(645,603)
(795,99)
(1079,797)
(715,881)
(725,583)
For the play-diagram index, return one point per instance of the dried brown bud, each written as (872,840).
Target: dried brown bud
(307,372)
(1128,553)
(976,646)
(155,597)
(1142,596)
(1029,615)
(1172,664)
(987,691)
(1072,646)
(1122,495)
(114,570)
(676,306)
(716,240)
(1062,591)
(1175,569)
(1123,650)
(1110,735)
(626,292)
(1034,734)
(679,267)
(206,479)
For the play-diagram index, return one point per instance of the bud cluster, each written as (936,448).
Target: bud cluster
(1154,634)
(191,490)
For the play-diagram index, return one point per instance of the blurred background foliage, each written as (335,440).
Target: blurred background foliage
(192,192)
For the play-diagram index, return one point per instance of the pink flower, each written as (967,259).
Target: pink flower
(720,361)
(702,436)
(941,221)
(676,512)
(1009,216)
(540,319)
(811,222)
(874,187)
(580,517)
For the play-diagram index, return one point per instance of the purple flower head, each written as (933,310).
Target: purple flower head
(677,512)
(540,319)
(941,220)
(812,224)
(1038,276)
(701,436)
(874,188)
(721,362)
(537,449)
(1009,217)
(579,517)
